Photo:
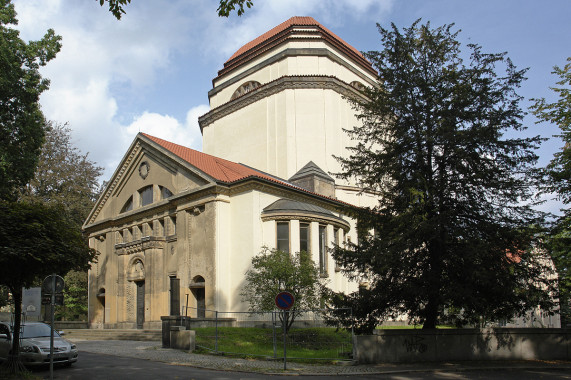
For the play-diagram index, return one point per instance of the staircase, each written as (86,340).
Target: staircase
(113,334)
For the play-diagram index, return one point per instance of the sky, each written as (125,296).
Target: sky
(151,71)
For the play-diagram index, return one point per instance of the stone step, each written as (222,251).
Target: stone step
(112,334)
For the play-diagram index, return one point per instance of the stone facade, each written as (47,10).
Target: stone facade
(176,227)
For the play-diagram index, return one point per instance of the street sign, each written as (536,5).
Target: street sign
(47,299)
(47,285)
(284,300)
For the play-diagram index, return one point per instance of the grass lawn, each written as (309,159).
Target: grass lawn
(410,327)
(304,343)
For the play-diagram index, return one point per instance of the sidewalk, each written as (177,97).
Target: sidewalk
(154,352)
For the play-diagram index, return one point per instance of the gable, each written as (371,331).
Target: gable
(145,176)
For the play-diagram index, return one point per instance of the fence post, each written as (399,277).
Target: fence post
(216,340)
(274,332)
(285,349)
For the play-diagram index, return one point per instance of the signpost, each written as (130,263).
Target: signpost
(285,301)
(52,290)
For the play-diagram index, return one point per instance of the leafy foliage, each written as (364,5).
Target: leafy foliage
(227,6)
(37,240)
(275,271)
(21,120)
(559,182)
(116,7)
(64,175)
(75,297)
(454,216)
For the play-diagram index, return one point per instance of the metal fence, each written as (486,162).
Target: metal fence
(261,334)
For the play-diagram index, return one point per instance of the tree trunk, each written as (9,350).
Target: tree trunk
(13,364)
(434,282)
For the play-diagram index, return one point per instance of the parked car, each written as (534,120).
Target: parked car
(35,344)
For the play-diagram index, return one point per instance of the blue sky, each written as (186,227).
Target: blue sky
(152,70)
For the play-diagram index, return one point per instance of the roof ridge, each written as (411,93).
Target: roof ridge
(278,30)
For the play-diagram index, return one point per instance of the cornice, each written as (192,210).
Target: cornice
(116,179)
(296,33)
(276,86)
(286,53)
(171,206)
(284,192)
(307,217)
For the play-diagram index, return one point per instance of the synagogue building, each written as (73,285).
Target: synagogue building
(177,227)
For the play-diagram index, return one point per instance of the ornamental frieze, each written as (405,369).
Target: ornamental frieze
(148,242)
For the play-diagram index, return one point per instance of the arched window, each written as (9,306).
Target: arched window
(146,195)
(165,193)
(245,88)
(128,206)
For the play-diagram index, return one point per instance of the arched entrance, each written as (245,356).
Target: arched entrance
(198,291)
(137,275)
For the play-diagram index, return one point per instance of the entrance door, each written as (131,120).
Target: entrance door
(175,296)
(140,303)
(200,302)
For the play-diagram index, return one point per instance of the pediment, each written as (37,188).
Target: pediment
(145,167)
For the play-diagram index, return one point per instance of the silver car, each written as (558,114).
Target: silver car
(35,344)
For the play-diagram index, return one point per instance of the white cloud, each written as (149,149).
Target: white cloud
(264,15)
(168,128)
(107,66)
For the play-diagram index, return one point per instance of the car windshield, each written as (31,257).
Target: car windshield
(36,331)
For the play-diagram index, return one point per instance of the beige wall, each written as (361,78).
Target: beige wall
(282,132)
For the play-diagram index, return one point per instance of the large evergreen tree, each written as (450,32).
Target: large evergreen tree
(440,145)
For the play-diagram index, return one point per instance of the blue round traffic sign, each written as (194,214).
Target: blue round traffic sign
(285,300)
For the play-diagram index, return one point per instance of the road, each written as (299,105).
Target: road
(93,366)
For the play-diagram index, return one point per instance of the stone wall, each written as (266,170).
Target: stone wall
(400,346)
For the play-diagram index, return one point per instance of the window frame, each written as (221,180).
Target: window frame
(282,239)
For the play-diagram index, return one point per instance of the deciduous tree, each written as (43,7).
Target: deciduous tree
(21,120)
(440,144)
(559,181)
(275,271)
(37,240)
(116,7)
(64,175)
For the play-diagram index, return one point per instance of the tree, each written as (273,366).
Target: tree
(67,177)
(75,304)
(21,120)
(559,181)
(64,175)
(275,271)
(227,6)
(116,7)
(224,9)
(37,240)
(454,224)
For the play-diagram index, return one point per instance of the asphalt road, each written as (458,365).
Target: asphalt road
(91,366)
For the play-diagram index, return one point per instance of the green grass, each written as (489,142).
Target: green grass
(410,327)
(301,344)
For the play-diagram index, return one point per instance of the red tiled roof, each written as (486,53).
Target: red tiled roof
(221,169)
(294,21)
(218,168)
(284,31)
